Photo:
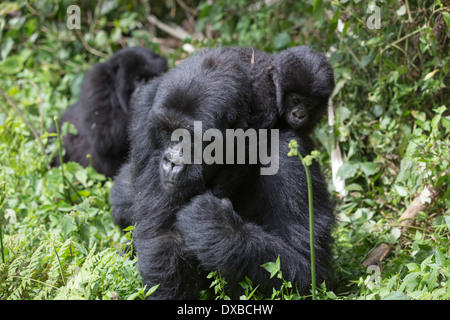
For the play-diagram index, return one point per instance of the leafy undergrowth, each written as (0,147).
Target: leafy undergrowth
(392,123)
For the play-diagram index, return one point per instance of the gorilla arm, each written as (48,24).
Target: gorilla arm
(222,239)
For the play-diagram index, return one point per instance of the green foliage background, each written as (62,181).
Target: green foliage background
(392,124)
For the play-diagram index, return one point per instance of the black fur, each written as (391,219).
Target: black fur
(227,218)
(101,114)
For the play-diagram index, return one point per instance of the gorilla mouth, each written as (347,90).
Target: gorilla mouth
(298,118)
(173,184)
(300,114)
(302,118)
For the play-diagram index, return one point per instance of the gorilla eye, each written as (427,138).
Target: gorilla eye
(139,77)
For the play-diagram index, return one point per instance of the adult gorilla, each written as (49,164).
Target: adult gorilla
(101,114)
(193,218)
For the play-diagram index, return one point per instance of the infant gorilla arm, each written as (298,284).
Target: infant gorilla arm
(181,222)
(101,114)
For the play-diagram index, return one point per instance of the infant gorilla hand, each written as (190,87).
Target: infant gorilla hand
(205,222)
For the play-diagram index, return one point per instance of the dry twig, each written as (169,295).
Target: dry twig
(406,219)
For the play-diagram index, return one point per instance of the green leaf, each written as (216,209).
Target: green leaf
(14,64)
(446,123)
(343,113)
(369,168)
(396,295)
(410,281)
(425,196)
(8,7)
(81,176)
(447,222)
(151,290)
(446,16)
(67,225)
(272,267)
(130,228)
(401,11)
(432,279)
(366,60)
(426,262)
(347,170)
(108,6)
(353,187)
(6,47)
(440,257)
(402,191)
(396,233)
(318,10)
(281,40)
(11,65)
(377,110)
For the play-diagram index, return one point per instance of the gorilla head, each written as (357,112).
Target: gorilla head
(212,87)
(101,114)
(291,87)
(129,69)
(304,81)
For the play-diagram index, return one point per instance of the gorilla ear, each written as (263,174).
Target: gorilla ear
(121,86)
(277,81)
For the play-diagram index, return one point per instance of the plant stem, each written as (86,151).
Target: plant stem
(59,263)
(1,240)
(311,228)
(2,202)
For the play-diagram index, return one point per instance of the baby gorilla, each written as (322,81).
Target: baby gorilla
(304,82)
(291,87)
(101,114)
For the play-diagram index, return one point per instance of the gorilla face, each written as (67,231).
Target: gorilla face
(132,67)
(210,88)
(303,112)
(298,110)
(304,81)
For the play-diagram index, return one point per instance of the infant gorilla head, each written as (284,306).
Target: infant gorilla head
(101,114)
(291,87)
(304,82)
(184,225)
(132,67)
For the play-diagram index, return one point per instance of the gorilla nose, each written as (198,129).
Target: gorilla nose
(172,165)
(299,113)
